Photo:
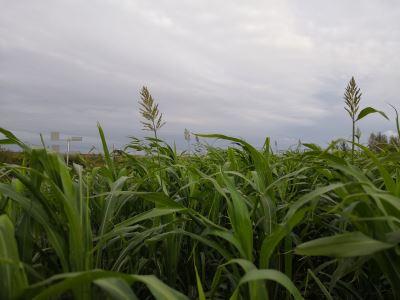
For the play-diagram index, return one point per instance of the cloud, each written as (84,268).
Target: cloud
(248,69)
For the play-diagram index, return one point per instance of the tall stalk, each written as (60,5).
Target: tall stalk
(152,118)
(149,111)
(352,97)
(187,138)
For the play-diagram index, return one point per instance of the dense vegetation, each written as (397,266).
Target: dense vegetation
(239,223)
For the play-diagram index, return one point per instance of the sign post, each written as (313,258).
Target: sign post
(55,136)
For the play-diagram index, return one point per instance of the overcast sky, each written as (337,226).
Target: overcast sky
(244,68)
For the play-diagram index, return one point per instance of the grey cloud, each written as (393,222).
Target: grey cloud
(248,69)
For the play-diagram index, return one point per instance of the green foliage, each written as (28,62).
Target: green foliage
(11,157)
(239,223)
(380,142)
(13,278)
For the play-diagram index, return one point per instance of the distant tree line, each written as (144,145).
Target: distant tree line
(379,141)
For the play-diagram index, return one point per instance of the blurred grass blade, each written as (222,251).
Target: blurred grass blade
(11,139)
(310,197)
(387,178)
(200,290)
(261,162)
(107,156)
(42,290)
(13,280)
(153,213)
(38,213)
(397,120)
(267,274)
(342,245)
(320,284)
(116,288)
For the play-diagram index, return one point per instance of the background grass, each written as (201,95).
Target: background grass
(239,223)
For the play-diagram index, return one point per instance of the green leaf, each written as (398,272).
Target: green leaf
(387,178)
(107,156)
(200,290)
(240,219)
(38,213)
(12,274)
(271,242)
(116,288)
(261,162)
(370,110)
(256,288)
(309,197)
(11,139)
(153,213)
(397,120)
(70,281)
(342,245)
(267,274)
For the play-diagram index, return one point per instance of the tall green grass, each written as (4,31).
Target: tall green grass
(238,223)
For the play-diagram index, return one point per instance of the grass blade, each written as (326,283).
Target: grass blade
(13,279)
(342,245)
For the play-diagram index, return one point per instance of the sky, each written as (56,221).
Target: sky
(248,69)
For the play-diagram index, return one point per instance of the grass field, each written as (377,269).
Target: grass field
(232,223)
(237,223)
